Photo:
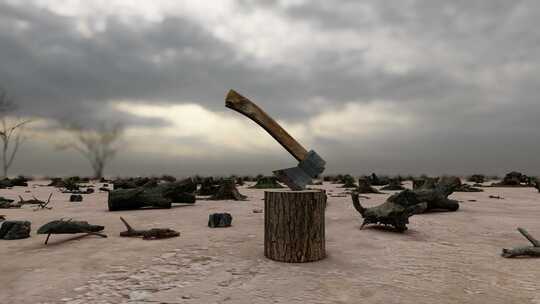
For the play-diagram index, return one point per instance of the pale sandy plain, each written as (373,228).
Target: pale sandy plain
(442,258)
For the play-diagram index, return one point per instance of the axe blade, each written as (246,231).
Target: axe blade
(295,178)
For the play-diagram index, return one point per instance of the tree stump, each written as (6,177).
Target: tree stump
(294,225)
(15,230)
(365,187)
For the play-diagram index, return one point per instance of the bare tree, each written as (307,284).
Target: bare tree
(96,145)
(11,132)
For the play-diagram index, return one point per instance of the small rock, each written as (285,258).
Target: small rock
(257,211)
(219,220)
(75,198)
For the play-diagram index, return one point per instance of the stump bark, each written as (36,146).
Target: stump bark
(294,229)
(227,191)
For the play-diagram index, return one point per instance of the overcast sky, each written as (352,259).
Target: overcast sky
(387,86)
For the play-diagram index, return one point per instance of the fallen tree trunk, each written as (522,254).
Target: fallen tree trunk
(70,227)
(161,196)
(394,212)
(435,194)
(533,250)
(397,209)
(393,185)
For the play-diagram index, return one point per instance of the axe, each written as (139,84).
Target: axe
(310,163)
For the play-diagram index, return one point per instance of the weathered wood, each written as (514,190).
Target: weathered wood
(375,180)
(435,193)
(533,250)
(15,230)
(20,181)
(149,234)
(208,186)
(468,188)
(513,179)
(6,203)
(347,181)
(294,228)
(394,212)
(34,201)
(394,184)
(477,178)
(431,195)
(227,191)
(161,196)
(267,182)
(365,187)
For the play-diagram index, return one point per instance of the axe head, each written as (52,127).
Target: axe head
(298,177)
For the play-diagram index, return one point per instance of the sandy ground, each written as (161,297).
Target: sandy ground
(442,258)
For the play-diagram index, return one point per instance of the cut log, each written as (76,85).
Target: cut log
(533,250)
(161,196)
(227,191)
(294,226)
(219,220)
(267,182)
(15,230)
(150,234)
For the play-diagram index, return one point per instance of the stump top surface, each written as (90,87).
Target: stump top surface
(294,191)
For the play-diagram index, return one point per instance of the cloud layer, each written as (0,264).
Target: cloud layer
(398,87)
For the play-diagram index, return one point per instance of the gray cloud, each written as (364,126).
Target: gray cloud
(472,87)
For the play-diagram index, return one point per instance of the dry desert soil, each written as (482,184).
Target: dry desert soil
(442,258)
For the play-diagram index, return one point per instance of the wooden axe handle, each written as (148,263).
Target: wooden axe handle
(243,105)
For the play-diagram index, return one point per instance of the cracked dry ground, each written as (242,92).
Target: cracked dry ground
(443,258)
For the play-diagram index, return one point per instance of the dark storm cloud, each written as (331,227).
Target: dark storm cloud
(472,86)
(53,70)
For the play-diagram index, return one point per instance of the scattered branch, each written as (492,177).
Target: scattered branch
(533,250)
